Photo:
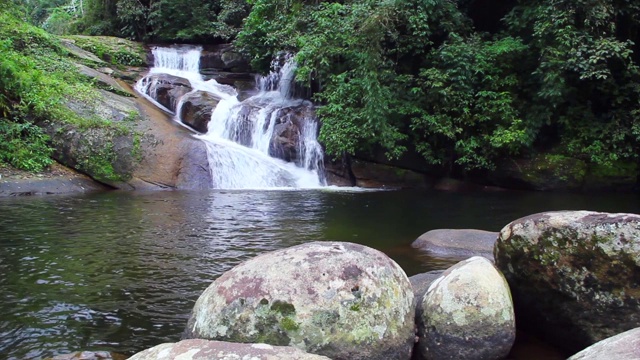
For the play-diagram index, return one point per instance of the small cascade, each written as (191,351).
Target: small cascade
(266,141)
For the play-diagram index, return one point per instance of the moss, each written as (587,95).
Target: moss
(116,51)
(289,324)
(283,308)
(554,171)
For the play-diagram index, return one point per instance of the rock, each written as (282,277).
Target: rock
(541,172)
(341,300)
(457,242)
(619,176)
(372,175)
(170,157)
(196,110)
(575,275)
(105,80)
(198,349)
(467,314)
(90,355)
(234,61)
(625,346)
(78,52)
(165,89)
(420,284)
(223,57)
(288,130)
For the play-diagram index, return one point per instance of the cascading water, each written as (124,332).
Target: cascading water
(248,141)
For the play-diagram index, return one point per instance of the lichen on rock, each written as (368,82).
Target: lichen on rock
(342,300)
(575,275)
(467,313)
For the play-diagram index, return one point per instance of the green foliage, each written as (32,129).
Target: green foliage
(37,84)
(414,74)
(24,146)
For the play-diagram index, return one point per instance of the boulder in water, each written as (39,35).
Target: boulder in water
(467,314)
(198,349)
(457,242)
(625,346)
(575,275)
(196,110)
(341,300)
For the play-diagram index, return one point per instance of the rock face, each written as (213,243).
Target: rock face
(341,300)
(467,314)
(625,346)
(457,242)
(575,275)
(372,175)
(197,349)
(197,108)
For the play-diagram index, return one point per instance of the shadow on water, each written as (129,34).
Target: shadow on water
(121,271)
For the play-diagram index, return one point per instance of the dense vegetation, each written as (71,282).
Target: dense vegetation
(39,82)
(464,83)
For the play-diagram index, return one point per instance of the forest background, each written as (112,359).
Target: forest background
(463,83)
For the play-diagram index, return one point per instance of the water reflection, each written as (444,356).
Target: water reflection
(121,271)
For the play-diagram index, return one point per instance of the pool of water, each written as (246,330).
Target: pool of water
(120,271)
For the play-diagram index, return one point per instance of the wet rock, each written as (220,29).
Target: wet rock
(420,284)
(467,314)
(197,349)
(90,355)
(625,346)
(166,89)
(224,57)
(288,131)
(575,275)
(457,242)
(197,108)
(341,300)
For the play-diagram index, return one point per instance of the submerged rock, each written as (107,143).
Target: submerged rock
(575,275)
(197,349)
(467,314)
(457,242)
(625,346)
(342,300)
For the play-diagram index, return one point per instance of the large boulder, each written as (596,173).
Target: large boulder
(197,349)
(457,242)
(341,300)
(575,275)
(625,346)
(467,314)
(196,110)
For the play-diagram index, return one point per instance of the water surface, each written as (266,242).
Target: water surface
(120,271)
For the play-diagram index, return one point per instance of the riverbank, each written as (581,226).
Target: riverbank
(56,179)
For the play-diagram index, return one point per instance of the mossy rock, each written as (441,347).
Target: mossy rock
(341,300)
(113,50)
(542,172)
(618,176)
(467,313)
(574,275)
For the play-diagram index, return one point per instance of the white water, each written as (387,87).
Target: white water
(239,137)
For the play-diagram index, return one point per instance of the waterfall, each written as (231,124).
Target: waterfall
(265,141)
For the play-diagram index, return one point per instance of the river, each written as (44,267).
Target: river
(120,271)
